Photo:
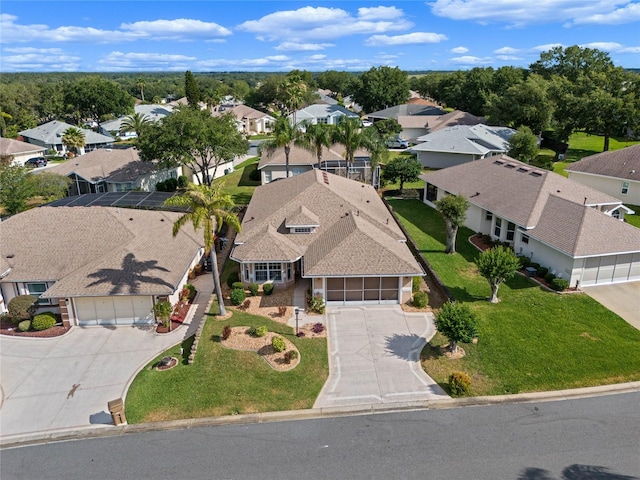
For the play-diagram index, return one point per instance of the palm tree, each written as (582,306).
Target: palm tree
(284,135)
(135,123)
(292,93)
(73,139)
(205,203)
(349,134)
(140,85)
(316,138)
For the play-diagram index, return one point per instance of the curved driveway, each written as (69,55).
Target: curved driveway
(374,357)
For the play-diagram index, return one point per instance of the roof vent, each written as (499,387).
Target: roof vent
(498,162)
(522,169)
(536,174)
(510,165)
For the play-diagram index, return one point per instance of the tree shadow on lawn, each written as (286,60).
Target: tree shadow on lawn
(245,179)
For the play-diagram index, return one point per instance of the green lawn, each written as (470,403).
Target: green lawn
(635,218)
(228,382)
(238,184)
(533,340)
(582,145)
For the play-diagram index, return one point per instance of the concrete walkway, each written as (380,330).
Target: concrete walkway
(374,357)
(62,383)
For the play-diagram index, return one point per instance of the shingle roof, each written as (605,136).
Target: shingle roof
(451,119)
(477,139)
(323,110)
(51,134)
(406,109)
(302,156)
(97,251)
(582,231)
(556,210)
(113,165)
(9,146)
(623,163)
(153,112)
(331,199)
(302,217)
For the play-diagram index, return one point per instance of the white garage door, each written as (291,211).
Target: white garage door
(611,269)
(362,291)
(114,310)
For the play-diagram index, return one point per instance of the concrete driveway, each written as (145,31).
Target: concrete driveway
(620,298)
(374,357)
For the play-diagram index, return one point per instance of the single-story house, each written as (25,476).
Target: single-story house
(100,265)
(414,118)
(153,113)
(112,170)
(49,136)
(461,144)
(322,113)
(332,230)
(616,172)
(19,152)
(574,230)
(272,165)
(249,120)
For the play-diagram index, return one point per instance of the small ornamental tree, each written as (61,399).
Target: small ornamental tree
(457,322)
(523,145)
(453,209)
(21,307)
(496,265)
(403,169)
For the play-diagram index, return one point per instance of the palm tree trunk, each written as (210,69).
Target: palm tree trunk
(216,280)
(287,149)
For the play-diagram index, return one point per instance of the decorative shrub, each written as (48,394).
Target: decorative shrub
(261,331)
(317,328)
(549,278)
(182,181)
(252,331)
(24,325)
(420,299)
(542,271)
(278,344)
(226,332)
(524,261)
(300,334)
(534,265)
(21,307)
(559,284)
(233,278)
(237,296)
(459,384)
(290,355)
(415,284)
(267,288)
(316,304)
(253,289)
(239,285)
(43,321)
(192,290)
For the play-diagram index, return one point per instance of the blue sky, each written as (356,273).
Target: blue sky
(111,36)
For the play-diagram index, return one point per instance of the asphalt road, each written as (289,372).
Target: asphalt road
(593,439)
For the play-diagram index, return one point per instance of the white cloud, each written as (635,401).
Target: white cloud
(27,50)
(522,12)
(508,57)
(302,47)
(471,60)
(317,57)
(180,29)
(321,23)
(506,50)
(40,60)
(459,50)
(546,47)
(407,39)
(118,61)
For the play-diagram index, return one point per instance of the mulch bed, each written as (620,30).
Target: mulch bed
(241,340)
(8,328)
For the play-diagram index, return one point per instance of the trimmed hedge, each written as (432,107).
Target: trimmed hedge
(237,296)
(559,284)
(21,307)
(267,288)
(278,344)
(233,278)
(420,299)
(253,289)
(24,326)
(542,271)
(43,321)
(415,284)
(236,285)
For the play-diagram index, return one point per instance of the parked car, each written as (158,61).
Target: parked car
(397,142)
(366,123)
(36,162)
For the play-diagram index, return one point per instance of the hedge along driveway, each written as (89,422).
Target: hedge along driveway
(533,340)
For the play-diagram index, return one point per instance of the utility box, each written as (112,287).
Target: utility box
(116,409)
(531,271)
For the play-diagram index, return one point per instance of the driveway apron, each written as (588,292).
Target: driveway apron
(374,357)
(621,298)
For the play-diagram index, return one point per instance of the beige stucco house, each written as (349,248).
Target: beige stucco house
(616,173)
(99,265)
(574,230)
(19,152)
(334,231)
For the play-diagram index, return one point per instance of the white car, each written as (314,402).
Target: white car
(366,123)
(397,142)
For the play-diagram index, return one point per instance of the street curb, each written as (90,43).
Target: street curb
(315,413)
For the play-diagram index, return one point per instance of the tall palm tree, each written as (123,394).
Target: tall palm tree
(206,203)
(348,133)
(316,138)
(292,94)
(135,123)
(73,139)
(284,134)
(140,85)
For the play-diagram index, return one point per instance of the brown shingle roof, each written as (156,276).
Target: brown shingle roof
(114,165)
(97,251)
(302,156)
(331,199)
(9,146)
(583,231)
(512,189)
(623,163)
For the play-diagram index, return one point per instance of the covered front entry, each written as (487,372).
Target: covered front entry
(611,269)
(362,291)
(116,310)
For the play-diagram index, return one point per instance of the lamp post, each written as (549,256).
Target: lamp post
(297,313)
